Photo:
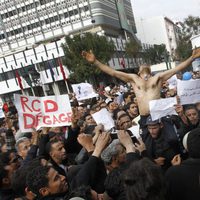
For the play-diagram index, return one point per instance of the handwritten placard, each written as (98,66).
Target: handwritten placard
(188,91)
(37,112)
(162,107)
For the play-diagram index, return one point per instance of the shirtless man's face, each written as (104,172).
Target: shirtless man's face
(145,76)
(144,72)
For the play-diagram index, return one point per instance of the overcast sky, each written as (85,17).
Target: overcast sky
(173,9)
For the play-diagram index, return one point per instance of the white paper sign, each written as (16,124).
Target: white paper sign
(189,91)
(1,103)
(1,113)
(105,118)
(135,130)
(37,112)
(162,107)
(83,91)
(172,82)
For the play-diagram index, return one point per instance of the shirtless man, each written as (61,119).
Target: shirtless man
(146,86)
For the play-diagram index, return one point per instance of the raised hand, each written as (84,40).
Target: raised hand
(126,141)
(141,146)
(86,142)
(179,109)
(101,143)
(89,56)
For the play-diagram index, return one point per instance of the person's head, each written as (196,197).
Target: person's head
(80,193)
(18,184)
(45,181)
(19,181)
(191,142)
(111,106)
(7,168)
(191,113)
(10,104)
(89,119)
(144,181)
(154,127)
(3,146)
(113,155)
(56,129)
(10,158)
(128,97)
(117,113)
(124,122)
(132,109)
(55,149)
(5,180)
(22,146)
(15,127)
(81,111)
(144,72)
(95,108)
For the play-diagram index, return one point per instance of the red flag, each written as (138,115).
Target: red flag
(62,69)
(19,79)
(122,62)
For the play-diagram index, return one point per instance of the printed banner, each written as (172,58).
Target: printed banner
(48,111)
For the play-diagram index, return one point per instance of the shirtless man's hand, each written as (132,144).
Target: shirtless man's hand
(89,56)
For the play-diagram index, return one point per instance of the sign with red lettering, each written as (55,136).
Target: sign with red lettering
(37,112)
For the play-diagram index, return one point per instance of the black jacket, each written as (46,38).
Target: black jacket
(7,194)
(183,181)
(160,147)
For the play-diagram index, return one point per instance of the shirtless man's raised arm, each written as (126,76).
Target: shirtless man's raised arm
(169,73)
(90,57)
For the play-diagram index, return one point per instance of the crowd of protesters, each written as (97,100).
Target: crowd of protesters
(83,161)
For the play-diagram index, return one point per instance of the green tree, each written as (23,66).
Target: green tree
(133,48)
(155,54)
(79,68)
(190,27)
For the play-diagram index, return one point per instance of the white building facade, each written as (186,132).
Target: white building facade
(158,30)
(32,31)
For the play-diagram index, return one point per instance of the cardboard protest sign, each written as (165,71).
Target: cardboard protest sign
(83,91)
(37,112)
(162,107)
(189,91)
(105,118)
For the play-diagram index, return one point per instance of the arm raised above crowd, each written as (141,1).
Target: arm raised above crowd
(169,73)
(90,57)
